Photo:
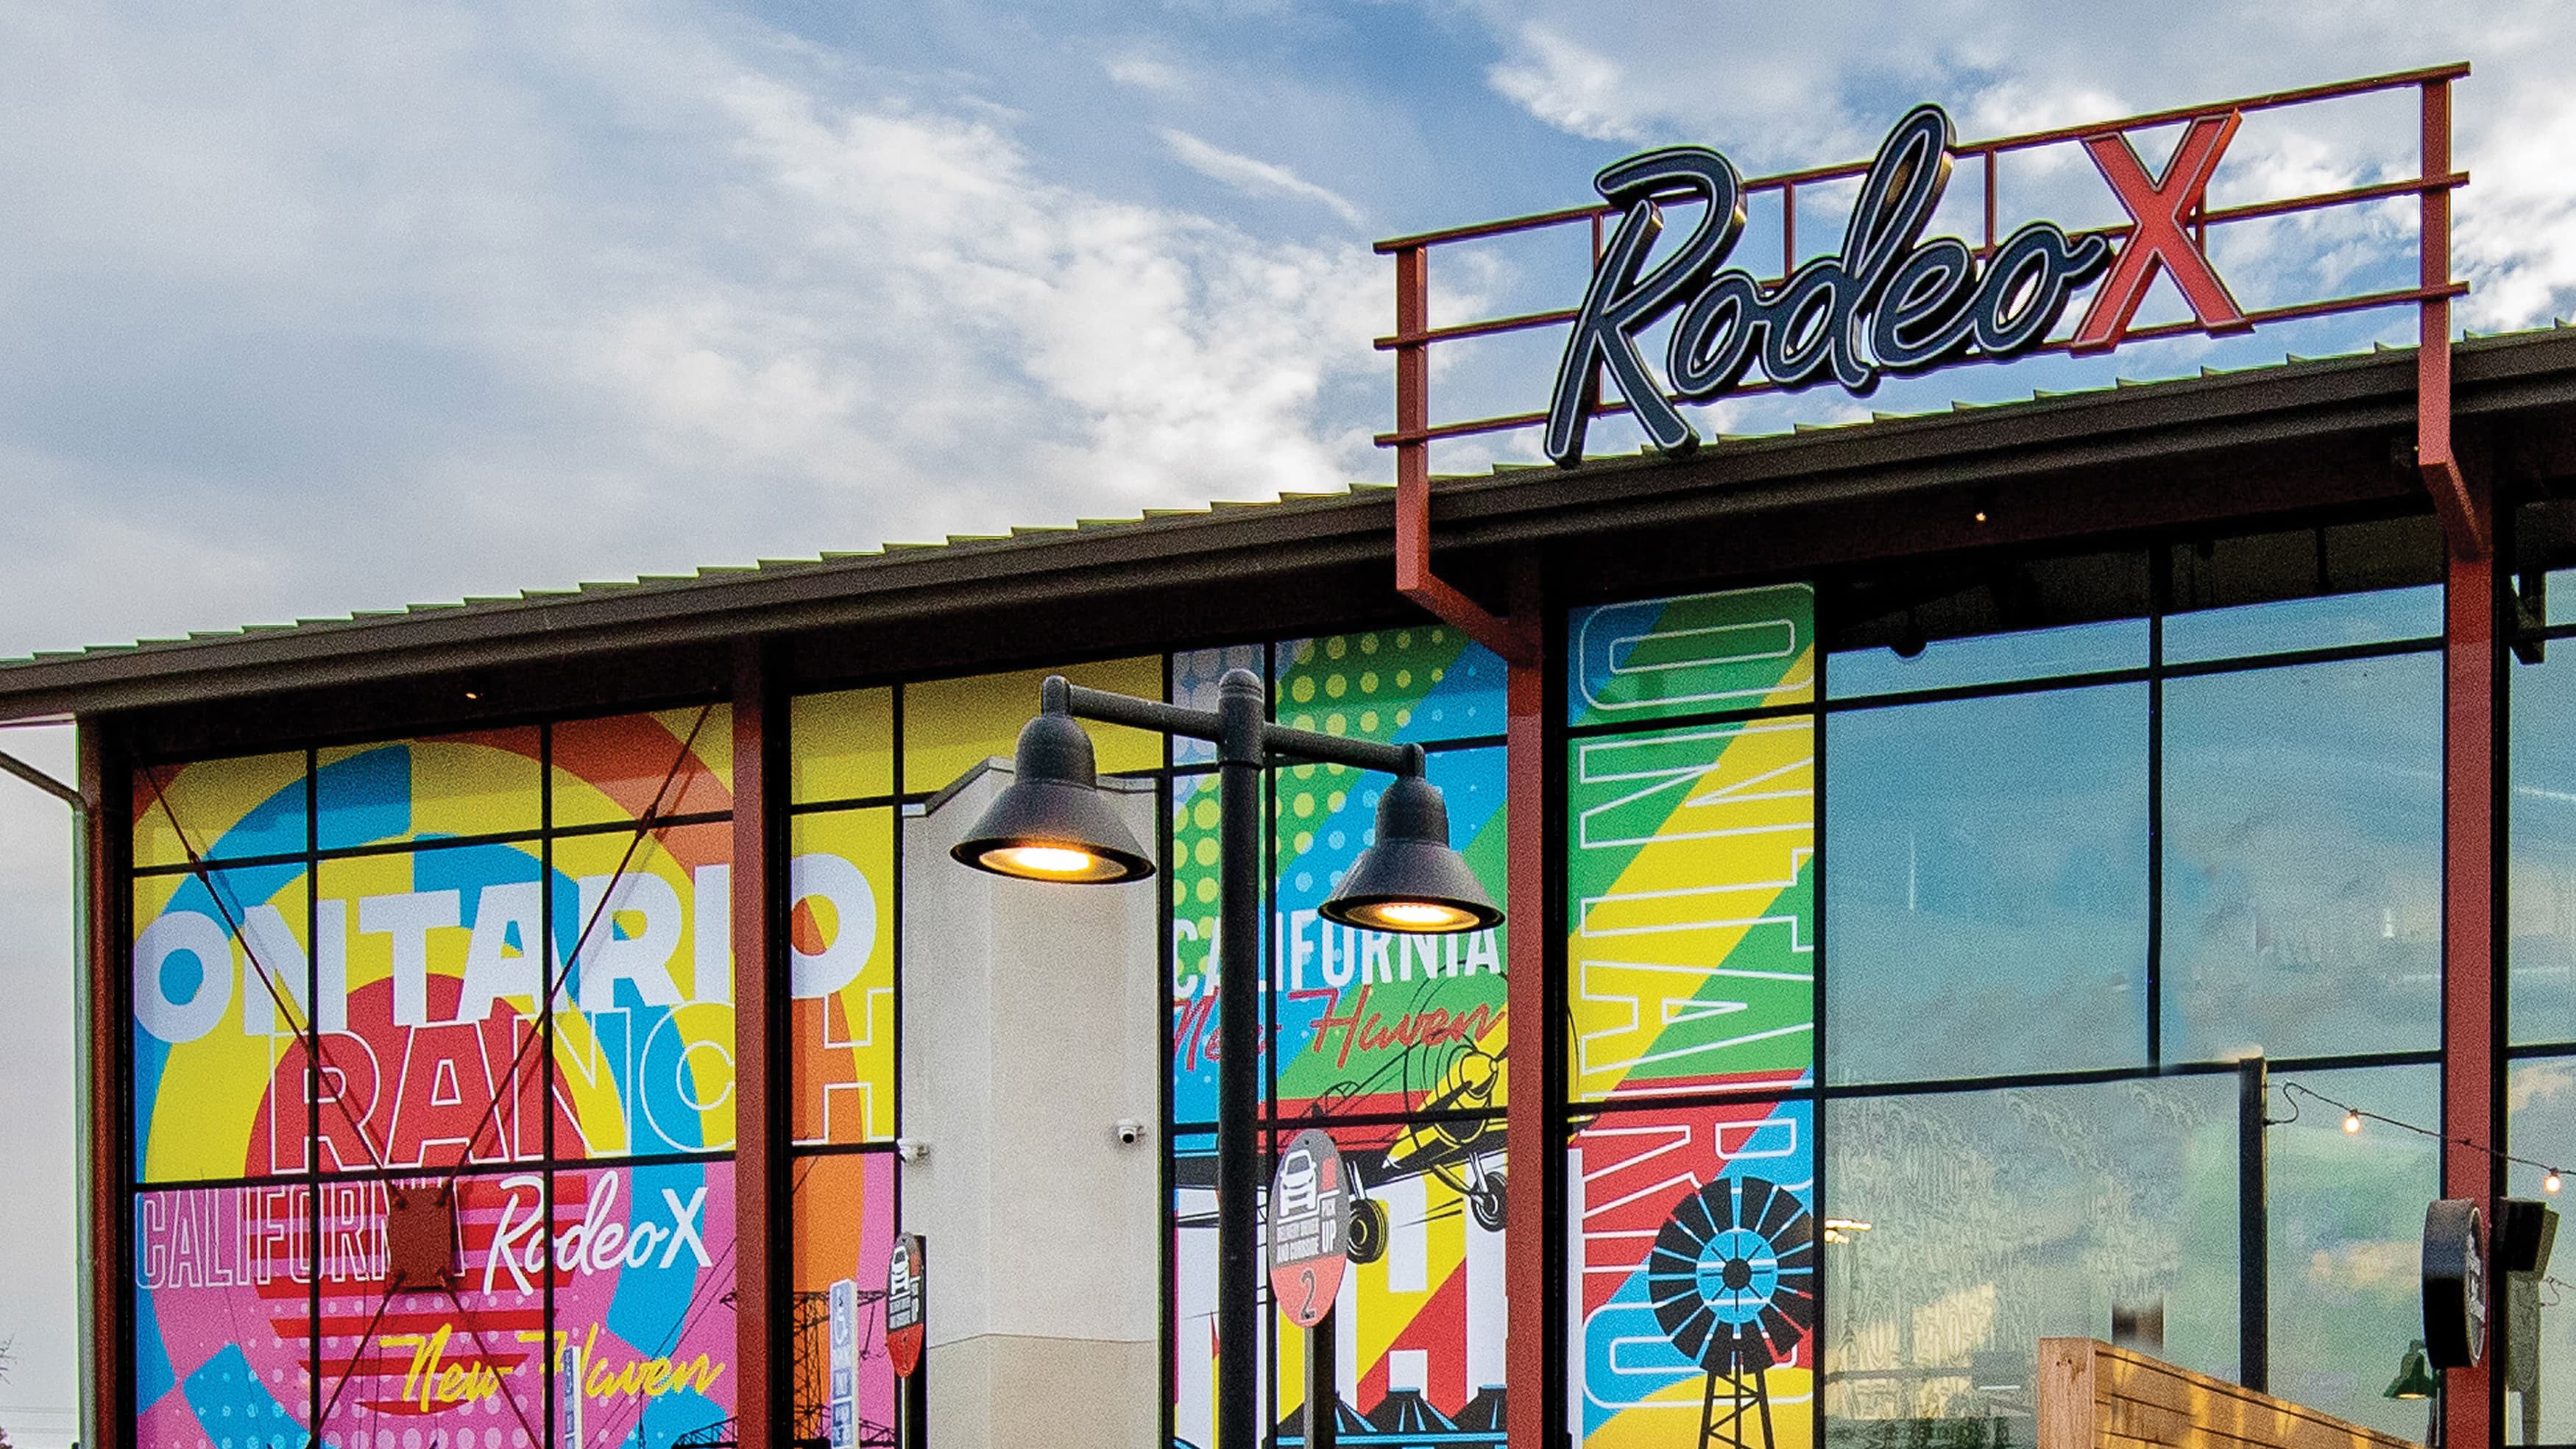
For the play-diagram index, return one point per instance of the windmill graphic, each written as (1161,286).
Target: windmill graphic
(1733,1281)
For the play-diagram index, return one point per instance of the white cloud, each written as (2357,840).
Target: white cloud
(321,310)
(1567,86)
(1253,177)
(1143,72)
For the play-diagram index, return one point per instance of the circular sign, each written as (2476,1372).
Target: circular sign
(1308,1249)
(2455,1284)
(906,1287)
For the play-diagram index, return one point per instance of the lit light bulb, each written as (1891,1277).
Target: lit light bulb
(1054,862)
(1413,916)
(2351,1122)
(2550,1183)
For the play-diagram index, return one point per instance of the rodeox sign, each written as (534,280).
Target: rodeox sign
(1889,303)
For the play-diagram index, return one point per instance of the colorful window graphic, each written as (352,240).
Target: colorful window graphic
(1368,1022)
(845,1227)
(1696,654)
(220,982)
(223,1307)
(1690,875)
(841,975)
(1419,1321)
(1690,783)
(1695,1282)
(393,905)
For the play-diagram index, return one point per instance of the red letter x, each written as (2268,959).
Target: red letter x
(2158,208)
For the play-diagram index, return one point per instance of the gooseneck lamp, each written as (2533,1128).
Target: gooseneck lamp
(1051,824)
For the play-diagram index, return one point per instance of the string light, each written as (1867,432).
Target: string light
(2550,1181)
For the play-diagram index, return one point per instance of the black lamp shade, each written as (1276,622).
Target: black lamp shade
(1410,881)
(1050,823)
(2414,1375)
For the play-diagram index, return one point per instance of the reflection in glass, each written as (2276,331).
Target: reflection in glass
(2541,1098)
(2319,623)
(2541,893)
(2302,870)
(1989,659)
(2347,1226)
(1987,863)
(1998,1218)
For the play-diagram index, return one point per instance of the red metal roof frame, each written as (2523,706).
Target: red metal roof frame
(1413,338)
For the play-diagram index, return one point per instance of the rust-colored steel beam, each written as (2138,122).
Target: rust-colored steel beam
(2462,522)
(1514,640)
(1528,1155)
(762,1229)
(2470,1059)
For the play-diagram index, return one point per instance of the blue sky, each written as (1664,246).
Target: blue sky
(306,308)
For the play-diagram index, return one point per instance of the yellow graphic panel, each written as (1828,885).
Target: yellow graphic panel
(841,977)
(951,724)
(840,746)
(220,809)
(220,985)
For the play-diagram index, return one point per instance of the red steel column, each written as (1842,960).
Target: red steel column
(760,1202)
(2470,1087)
(1526,1149)
(103,1225)
(2472,1091)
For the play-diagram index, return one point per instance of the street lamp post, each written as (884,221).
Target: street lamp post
(1051,825)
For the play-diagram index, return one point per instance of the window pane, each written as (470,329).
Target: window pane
(223,1314)
(845,1226)
(482,784)
(1420,1311)
(841,977)
(1989,659)
(220,990)
(1195,677)
(843,745)
(1987,862)
(644,1031)
(1424,683)
(433,962)
(666,1299)
(1696,1253)
(2542,1126)
(952,725)
(445,1363)
(2542,887)
(2303,855)
(1372,1021)
(1690,880)
(2347,1241)
(219,809)
(670,762)
(1995,1219)
(1696,654)
(2320,623)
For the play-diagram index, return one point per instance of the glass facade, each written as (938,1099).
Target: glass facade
(1911,929)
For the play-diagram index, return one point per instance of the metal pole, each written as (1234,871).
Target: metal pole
(1323,1384)
(1238,1165)
(2253,1230)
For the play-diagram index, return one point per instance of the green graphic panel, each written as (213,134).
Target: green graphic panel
(1656,659)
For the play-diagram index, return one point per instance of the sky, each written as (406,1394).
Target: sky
(307,308)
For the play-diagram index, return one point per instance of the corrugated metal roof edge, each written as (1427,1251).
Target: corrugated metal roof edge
(1363,512)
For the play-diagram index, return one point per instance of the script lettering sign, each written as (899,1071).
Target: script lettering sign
(1891,302)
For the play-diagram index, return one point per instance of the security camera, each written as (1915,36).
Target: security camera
(911,1149)
(1129,1130)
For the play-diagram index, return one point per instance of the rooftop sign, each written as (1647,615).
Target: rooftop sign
(1895,300)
